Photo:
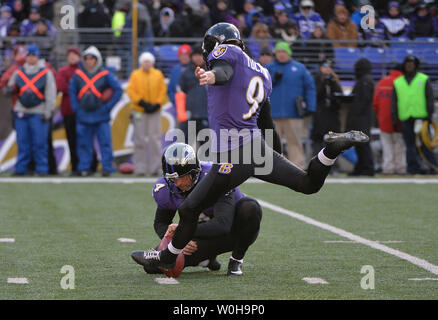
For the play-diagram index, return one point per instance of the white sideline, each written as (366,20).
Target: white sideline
(345,234)
(130,180)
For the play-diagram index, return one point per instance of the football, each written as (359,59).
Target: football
(179,266)
(126,168)
(107,94)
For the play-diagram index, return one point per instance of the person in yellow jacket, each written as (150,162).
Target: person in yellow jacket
(147,91)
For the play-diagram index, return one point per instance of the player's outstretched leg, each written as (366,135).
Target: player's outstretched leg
(336,143)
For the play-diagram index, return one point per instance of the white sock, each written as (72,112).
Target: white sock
(173,249)
(325,160)
(240,261)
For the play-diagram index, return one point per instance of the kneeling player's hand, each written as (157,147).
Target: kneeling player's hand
(190,248)
(171,230)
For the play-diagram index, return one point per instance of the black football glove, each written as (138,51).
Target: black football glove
(145,105)
(153,108)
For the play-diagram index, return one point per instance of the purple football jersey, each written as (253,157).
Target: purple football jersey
(236,104)
(171,201)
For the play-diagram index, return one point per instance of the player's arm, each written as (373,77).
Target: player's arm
(221,72)
(264,122)
(222,221)
(163,218)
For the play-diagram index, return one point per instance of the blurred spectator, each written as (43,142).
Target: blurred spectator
(292,87)
(32,111)
(20,9)
(394,21)
(46,9)
(413,99)
(307,18)
(222,13)
(196,95)
(199,16)
(19,58)
(422,23)
(92,114)
(393,147)
(184,58)
(94,15)
(146,115)
(63,77)
(119,17)
(6,20)
(374,37)
(358,14)
(320,50)
(266,56)
(342,28)
(259,38)
(326,8)
(360,115)
(409,8)
(171,25)
(254,16)
(28,26)
(281,27)
(326,116)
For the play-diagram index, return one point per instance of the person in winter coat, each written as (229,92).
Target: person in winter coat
(393,147)
(395,22)
(422,23)
(36,88)
(342,28)
(63,77)
(307,18)
(326,116)
(147,91)
(360,115)
(292,86)
(92,114)
(413,100)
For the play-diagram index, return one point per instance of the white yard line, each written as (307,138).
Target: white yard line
(315,280)
(423,279)
(350,241)
(129,180)
(345,234)
(7,240)
(18,280)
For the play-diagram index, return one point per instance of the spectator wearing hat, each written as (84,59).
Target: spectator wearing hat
(292,85)
(282,26)
(63,77)
(307,18)
(266,56)
(374,37)
(147,91)
(342,28)
(409,7)
(395,22)
(360,115)
(252,18)
(184,52)
(413,99)
(6,20)
(393,147)
(92,113)
(195,94)
(422,23)
(221,12)
(171,24)
(326,117)
(28,26)
(359,12)
(36,88)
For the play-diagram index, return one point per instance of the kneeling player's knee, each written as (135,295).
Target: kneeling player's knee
(250,211)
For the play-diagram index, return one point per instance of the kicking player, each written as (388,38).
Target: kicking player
(237,87)
(232,223)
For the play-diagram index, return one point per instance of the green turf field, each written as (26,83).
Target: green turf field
(78,224)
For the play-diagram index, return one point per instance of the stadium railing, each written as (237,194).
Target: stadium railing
(116,51)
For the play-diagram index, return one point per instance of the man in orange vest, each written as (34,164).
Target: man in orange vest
(36,88)
(93,114)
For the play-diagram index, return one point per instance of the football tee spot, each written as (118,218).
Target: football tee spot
(315,280)
(126,240)
(166,281)
(18,280)
(7,240)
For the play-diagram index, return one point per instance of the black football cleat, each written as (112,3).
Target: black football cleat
(150,260)
(214,265)
(336,143)
(234,268)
